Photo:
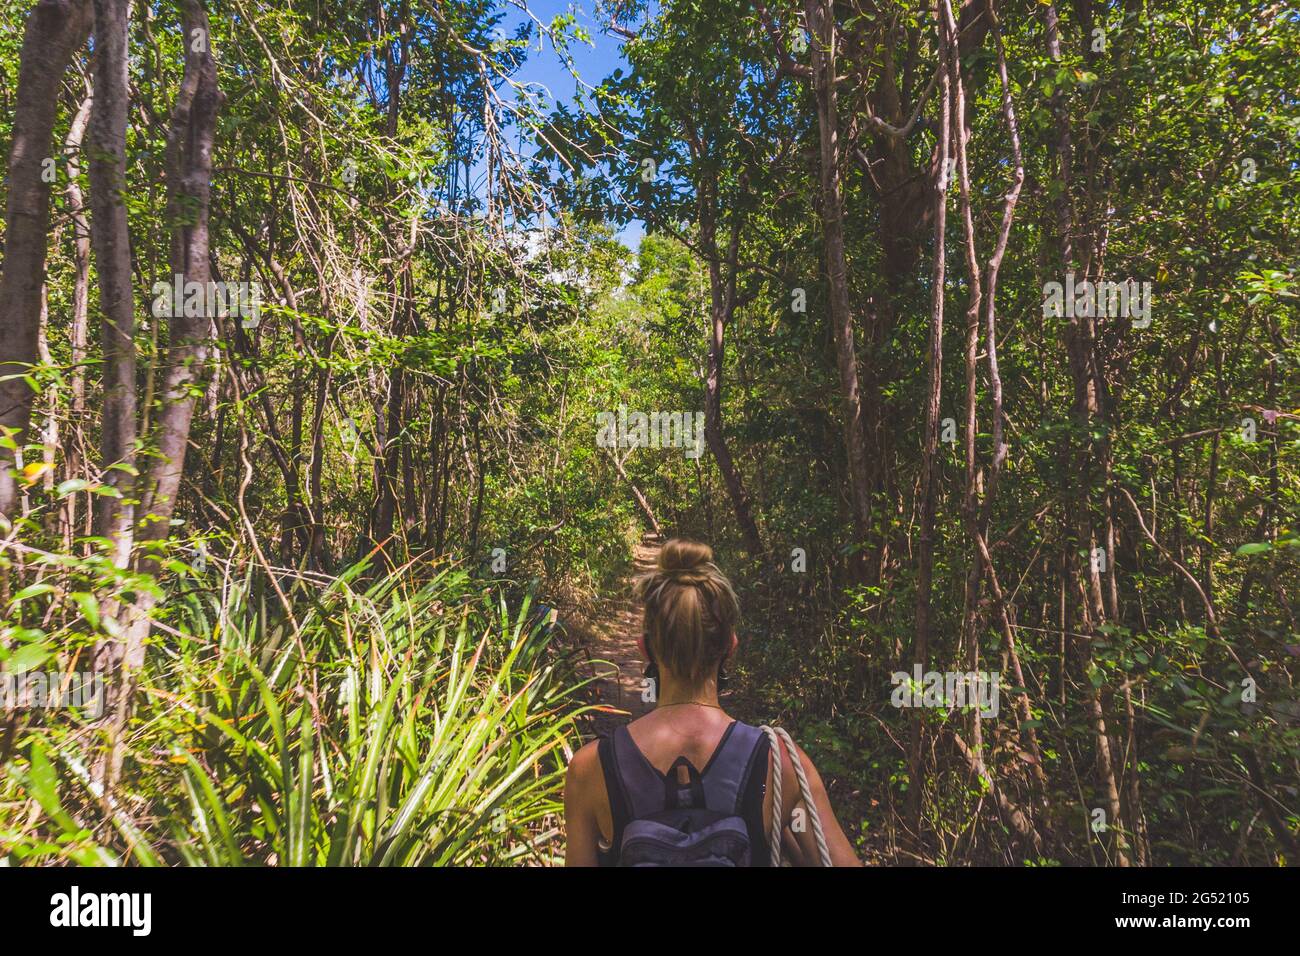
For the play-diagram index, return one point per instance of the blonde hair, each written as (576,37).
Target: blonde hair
(690,611)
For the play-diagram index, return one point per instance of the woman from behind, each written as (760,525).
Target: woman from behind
(686,784)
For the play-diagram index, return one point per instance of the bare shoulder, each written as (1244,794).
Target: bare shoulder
(804,759)
(585,764)
(815,783)
(787,760)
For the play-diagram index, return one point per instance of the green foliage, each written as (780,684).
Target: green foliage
(409,722)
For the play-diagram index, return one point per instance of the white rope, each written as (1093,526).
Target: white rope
(777,735)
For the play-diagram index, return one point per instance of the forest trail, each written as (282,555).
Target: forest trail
(611,641)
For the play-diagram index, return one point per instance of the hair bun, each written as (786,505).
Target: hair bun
(680,554)
(690,612)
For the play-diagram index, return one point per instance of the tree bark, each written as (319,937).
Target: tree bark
(75,441)
(111,239)
(55,30)
(189,174)
(926,500)
(821,25)
(722,297)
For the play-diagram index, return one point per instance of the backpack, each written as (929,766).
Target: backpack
(660,821)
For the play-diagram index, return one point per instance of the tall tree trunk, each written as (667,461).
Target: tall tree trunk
(388,461)
(1080,346)
(75,441)
(110,236)
(111,240)
(971,511)
(821,25)
(926,501)
(722,298)
(55,30)
(189,175)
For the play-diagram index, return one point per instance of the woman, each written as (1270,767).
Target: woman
(686,784)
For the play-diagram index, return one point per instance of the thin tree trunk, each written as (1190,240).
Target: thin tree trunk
(1080,336)
(642,501)
(722,292)
(75,441)
(993,269)
(388,461)
(926,500)
(972,513)
(822,27)
(189,175)
(1016,818)
(110,236)
(55,30)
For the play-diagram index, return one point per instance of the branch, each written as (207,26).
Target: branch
(785,63)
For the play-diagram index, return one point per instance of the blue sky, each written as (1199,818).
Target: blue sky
(593,63)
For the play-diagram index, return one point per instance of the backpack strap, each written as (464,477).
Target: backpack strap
(642,785)
(682,796)
(619,808)
(637,790)
(727,773)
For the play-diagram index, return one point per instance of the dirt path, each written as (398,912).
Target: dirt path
(612,642)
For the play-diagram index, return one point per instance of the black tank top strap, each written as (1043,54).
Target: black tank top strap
(619,808)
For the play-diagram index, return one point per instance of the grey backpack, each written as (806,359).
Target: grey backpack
(661,821)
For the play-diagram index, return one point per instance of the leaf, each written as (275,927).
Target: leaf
(43,783)
(32,590)
(26,658)
(71,486)
(1256,547)
(89,607)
